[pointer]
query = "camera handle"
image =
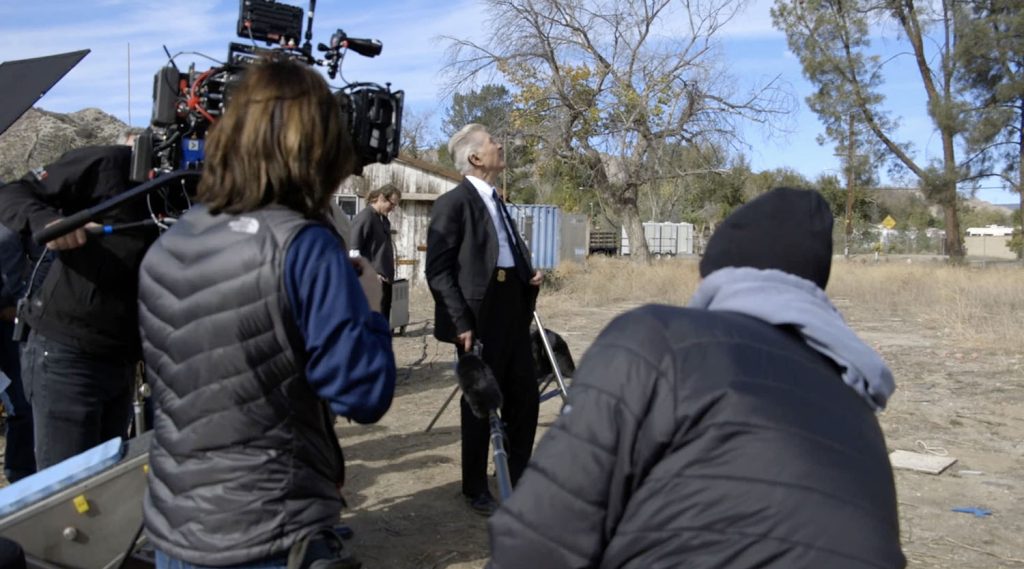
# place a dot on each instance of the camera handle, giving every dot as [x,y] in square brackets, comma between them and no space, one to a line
[340,41]
[78,219]
[307,46]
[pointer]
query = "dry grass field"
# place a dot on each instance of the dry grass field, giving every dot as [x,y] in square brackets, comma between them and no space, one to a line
[952,336]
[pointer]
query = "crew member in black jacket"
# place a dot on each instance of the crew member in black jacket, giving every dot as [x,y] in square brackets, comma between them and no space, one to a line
[371,236]
[737,433]
[79,361]
[16,271]
[484,288]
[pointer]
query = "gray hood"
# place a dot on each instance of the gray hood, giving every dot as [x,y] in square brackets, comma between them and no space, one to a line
[780,298]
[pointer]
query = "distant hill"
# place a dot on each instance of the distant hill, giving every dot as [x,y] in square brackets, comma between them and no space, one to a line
[893,195]
[983,205]
[40,137]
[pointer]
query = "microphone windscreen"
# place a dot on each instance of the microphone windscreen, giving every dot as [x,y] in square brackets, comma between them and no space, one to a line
[479,386]
[563,357]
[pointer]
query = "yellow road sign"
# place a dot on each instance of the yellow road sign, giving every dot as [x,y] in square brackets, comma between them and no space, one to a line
[889,222]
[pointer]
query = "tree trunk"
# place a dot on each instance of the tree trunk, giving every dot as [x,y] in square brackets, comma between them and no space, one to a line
[954,242]
[638,250]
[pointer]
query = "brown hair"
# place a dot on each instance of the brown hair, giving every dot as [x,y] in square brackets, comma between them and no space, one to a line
[282,140]
[387,190]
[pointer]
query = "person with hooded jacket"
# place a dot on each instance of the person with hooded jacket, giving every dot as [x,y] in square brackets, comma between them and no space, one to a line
[739,432]
[78,363]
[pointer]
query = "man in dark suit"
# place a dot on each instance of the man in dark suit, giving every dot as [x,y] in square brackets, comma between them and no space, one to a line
[484,288]
[371,236]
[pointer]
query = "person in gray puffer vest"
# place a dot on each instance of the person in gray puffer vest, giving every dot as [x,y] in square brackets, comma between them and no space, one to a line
[737,433]
[256,332]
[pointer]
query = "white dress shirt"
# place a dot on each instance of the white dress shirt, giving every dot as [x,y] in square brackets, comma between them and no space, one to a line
[486,191]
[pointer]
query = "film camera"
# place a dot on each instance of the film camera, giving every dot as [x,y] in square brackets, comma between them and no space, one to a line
[187,104]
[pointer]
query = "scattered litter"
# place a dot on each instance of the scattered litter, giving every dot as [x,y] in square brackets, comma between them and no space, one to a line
[927,463]
[969,472]
[978,512]
[932,449]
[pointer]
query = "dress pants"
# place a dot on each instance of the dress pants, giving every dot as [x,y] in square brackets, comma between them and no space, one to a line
[503,328]
[385,299]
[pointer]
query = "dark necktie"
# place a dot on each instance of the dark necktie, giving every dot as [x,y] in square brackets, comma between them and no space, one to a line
[513,241]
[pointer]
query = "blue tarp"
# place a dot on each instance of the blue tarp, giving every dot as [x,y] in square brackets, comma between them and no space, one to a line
[48,482]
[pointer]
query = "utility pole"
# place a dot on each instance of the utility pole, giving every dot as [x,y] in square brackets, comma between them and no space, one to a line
[129,83]
[504,157]
[849,189]
[504,171]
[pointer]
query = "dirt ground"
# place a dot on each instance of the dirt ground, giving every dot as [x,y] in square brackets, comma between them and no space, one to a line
[403,483]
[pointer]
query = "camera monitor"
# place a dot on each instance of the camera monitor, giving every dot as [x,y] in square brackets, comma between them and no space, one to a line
[263,20]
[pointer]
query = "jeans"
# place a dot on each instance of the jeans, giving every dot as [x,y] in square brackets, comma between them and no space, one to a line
[79,399]
[19,456]
[322,546]
[163,561]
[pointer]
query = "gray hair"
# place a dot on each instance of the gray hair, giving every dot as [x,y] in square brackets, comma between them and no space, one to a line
[128,134]
[464,143]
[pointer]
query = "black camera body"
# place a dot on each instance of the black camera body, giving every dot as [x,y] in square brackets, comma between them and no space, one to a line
[186,104]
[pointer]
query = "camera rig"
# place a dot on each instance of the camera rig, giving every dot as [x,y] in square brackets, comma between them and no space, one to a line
[186,104]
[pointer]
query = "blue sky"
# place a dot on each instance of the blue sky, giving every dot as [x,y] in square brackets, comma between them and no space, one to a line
[413,51]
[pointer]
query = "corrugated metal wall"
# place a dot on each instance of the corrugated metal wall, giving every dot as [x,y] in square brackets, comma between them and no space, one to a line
[575,238]
[552,236]
[540,226]
[992,246]
[664,238]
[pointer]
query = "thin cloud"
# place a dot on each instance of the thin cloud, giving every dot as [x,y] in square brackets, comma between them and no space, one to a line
[411,31]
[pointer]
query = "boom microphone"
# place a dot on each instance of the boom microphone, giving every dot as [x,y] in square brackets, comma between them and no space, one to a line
[478,383]
[480,388]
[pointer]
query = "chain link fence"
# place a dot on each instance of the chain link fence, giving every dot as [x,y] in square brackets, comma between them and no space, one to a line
[872,239]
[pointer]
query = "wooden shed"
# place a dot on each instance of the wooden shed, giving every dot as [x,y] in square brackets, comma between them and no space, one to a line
[421,183]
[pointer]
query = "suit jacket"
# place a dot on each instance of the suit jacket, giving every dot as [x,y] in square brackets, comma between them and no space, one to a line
[371,235]
[462,253]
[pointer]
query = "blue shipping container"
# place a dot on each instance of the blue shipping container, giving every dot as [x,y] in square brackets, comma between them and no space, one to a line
[540,226]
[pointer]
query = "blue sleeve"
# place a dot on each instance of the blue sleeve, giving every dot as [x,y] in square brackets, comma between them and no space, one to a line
[351,364]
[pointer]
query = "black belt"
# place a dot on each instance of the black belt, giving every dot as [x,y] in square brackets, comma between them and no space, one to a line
[501,274]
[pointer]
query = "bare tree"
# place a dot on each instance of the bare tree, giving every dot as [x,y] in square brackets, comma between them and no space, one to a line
[609,86]
[418,137]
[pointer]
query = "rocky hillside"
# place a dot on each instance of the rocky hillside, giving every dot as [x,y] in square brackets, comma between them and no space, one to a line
[40,136]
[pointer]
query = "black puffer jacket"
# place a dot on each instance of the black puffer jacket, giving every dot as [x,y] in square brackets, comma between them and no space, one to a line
[88,297]
[704,439]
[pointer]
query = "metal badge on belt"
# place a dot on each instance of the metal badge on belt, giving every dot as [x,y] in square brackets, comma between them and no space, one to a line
[501,275]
